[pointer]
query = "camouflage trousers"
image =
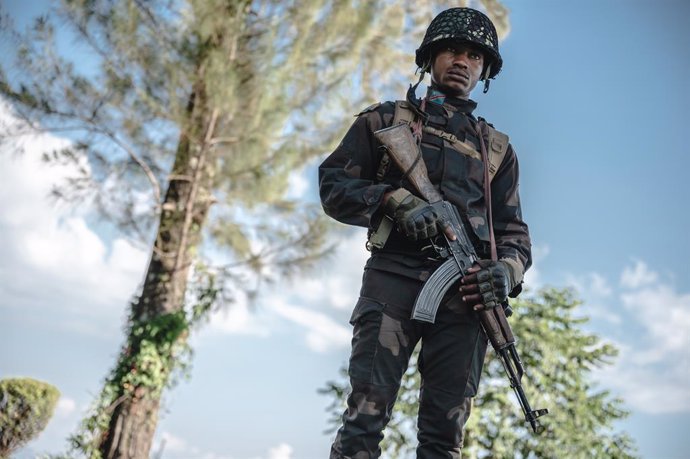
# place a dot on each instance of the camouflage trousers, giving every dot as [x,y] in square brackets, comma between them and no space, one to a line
[384,337]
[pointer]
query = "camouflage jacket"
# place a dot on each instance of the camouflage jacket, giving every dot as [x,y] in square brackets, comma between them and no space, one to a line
[351,193]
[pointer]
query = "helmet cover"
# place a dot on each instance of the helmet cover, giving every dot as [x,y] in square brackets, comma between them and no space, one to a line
[461,25]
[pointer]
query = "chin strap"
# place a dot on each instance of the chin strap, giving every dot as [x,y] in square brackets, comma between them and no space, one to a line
[419,110]
[487,81]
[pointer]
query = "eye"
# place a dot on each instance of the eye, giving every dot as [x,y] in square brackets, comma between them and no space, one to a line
[475,56]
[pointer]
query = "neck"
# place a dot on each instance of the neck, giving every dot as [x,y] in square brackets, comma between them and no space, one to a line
[435,95]
[433,92]
[448,92]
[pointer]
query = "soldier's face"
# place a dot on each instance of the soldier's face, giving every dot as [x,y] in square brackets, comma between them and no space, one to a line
[456,69]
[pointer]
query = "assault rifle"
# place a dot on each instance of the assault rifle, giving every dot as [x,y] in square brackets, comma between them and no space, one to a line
[460,256]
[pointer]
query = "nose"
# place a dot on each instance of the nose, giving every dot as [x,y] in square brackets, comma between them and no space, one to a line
[461,59]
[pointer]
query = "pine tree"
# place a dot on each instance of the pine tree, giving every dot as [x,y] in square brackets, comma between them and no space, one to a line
[558,355]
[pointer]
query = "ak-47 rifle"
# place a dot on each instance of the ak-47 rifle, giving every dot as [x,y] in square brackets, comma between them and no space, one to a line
[460,256]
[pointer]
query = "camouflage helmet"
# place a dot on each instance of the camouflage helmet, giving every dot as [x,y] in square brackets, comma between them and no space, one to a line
[461,24]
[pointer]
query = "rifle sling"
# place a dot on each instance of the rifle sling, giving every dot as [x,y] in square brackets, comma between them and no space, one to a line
[487,189]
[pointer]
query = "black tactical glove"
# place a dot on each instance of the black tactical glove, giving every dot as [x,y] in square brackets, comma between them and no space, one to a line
[486,284]
[414,217]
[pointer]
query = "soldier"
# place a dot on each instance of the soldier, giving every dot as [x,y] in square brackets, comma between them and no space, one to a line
[472,165]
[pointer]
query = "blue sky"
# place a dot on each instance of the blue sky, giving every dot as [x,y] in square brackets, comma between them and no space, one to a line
[595,96]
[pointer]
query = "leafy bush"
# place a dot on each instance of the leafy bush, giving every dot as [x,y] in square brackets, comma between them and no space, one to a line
[26,406]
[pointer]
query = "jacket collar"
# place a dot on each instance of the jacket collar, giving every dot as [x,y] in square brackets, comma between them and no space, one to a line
[436,97]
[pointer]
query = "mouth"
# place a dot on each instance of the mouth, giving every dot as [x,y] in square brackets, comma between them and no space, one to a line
[458,75]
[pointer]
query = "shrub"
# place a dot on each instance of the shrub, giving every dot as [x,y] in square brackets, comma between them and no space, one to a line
[26,406]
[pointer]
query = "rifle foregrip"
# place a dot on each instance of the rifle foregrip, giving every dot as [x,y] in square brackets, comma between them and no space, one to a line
[492,328]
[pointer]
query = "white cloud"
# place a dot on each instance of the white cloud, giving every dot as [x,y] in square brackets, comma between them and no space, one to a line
[665,315]
[533,275]
[596,292]
[651,321]
[176,447]
[274,311]
[53,261]
[240,318]
[590,285]
[65,407]
[601,311]
[337,284]
[599,285]
[282,451]
[172,443]
[323,333]
[638,276]
[658,389]
[653,369]
[312,302]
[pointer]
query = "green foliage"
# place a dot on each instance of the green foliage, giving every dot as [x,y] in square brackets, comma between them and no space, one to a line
[26,406]
[558,355]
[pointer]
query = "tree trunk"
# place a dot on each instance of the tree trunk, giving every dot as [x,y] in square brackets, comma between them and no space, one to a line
[132,423]
[132,427]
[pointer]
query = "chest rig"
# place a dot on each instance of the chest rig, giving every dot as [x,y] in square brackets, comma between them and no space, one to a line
[497,148]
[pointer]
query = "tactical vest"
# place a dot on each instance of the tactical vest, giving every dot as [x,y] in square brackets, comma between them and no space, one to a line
[497,147]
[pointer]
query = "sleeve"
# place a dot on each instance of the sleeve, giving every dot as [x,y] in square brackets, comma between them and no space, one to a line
[347,177]
[513,242]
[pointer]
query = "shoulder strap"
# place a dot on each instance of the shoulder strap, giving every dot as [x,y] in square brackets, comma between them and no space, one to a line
[463,147]
[498,147]
[403,113]
[498,141]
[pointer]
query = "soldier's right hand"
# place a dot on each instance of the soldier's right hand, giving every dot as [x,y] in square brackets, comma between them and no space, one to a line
[414,217]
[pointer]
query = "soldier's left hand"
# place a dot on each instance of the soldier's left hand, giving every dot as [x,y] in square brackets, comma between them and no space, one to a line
[486,284]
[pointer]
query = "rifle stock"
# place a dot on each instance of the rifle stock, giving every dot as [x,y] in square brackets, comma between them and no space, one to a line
[403,150]
[460,254]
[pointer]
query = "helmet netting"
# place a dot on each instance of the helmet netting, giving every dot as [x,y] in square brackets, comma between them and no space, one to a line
[461,24]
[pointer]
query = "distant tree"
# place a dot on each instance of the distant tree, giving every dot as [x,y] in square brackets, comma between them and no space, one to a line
[558,356]
[174,106]
[26,406]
